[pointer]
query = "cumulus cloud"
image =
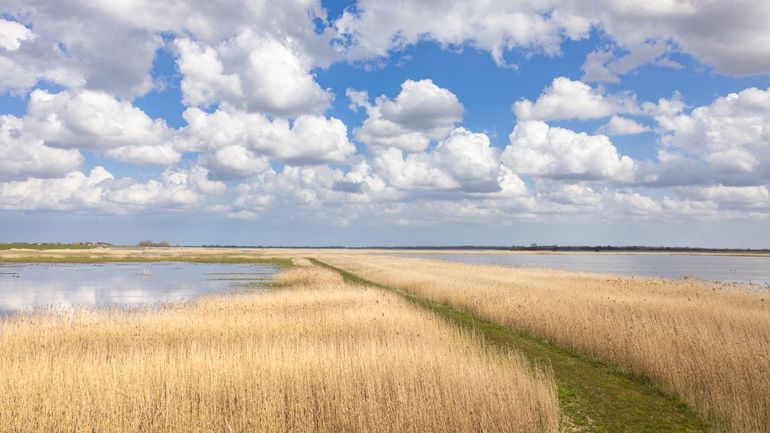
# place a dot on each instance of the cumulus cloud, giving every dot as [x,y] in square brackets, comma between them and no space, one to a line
[75,190]
[308,139]
[568,196]
[99,122]
[12,34]
[23,156]
[731,37]
[412,171]
[605,65]
[358,98]
[421,112]
[464,163]
[470,160]
[100,191]
[310,190]
[729,196]
[538,149]
[633,203]
[76,46]
[110,46]
[177,189]
[234,162]
[567,99]
[255,112]
[204,81]
[618,125]
[255,73]
[374,28]
[727,141]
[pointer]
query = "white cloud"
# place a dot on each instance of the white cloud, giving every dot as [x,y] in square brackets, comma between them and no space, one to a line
[12,34]
[235,161]
[538,149]
[604,65]
[255,73]
[321,192]
[204,82]
[569,195]
[110,46]
[97,121]
[567,99]
[375,28]
[729,196]
[470,160]
[358,99]
[279,81]
[76,46]
[411,171]
[618,125]
[727,141]
[306,140]
[633,203]
[74,191]
[100,191]
[255,196]
[464,162]
[733,37]
[23,156]
[420,113]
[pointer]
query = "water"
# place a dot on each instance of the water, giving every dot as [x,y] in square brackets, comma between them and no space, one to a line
[733,269]
[25,286]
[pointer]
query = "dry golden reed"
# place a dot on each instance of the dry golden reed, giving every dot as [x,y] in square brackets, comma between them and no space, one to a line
[314,355]
[708,344]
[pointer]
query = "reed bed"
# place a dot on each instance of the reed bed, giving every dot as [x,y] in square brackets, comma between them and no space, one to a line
[708,344]
[312,355]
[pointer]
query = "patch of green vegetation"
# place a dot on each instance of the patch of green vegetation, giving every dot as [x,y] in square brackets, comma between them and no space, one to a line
[100,258]
[593,396]
[46,246]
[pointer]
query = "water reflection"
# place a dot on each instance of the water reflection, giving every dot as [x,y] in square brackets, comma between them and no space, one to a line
[26,287]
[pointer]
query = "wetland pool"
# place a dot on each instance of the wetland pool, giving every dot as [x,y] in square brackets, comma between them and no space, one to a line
[31,286]
[753,270]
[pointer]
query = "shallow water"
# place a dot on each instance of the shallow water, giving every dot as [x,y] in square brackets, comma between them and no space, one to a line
[27,286]
[734,269]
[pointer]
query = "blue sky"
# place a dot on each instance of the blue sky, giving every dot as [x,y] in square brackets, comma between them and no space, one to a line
[359,123]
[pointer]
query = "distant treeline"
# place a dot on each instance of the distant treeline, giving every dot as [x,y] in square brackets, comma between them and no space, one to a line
[637,248]
[533,247]
[339,247]
[53,246]
[153,244]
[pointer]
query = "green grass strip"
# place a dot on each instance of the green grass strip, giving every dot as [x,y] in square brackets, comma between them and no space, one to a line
[594,397]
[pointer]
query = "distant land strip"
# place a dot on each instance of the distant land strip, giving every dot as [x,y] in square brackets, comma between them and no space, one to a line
[567,248]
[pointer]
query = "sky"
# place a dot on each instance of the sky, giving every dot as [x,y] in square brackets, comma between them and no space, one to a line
[362,123]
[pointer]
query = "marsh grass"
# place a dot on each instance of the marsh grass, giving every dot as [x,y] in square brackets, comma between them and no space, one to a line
[314,354]
[704,343]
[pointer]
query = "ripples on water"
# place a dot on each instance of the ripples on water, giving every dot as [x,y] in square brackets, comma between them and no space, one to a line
[26,286]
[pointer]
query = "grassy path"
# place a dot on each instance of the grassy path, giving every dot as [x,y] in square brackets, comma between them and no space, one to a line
[594,397]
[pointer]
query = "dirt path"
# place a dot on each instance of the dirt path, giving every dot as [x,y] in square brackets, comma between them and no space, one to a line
[594,397]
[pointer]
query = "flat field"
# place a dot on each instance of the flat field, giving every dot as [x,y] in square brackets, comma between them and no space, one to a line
[399,344]
[706,344]
[314,354]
